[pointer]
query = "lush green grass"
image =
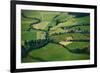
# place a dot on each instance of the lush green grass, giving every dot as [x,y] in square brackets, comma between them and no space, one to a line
[83,28]
[51,51]
[41,25]
[40,35]
[54,52]
[74,21]
[47,16]
[69,22]
[79,45]
[31,35]
[75,36]
[57,30]
[32,13]
[25,25]
[29,59]
[83,20]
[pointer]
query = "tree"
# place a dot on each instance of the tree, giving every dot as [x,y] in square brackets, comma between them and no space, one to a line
[55,23]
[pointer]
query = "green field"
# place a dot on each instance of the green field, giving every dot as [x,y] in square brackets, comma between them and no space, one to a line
[54,36]
[54,52]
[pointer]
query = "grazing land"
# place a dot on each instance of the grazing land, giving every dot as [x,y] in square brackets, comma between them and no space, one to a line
[54,36]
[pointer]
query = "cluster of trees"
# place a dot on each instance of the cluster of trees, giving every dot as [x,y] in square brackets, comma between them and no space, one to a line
[71,31]
[77,30]
[85,50]
[68,27]
[34,44]
[30,45]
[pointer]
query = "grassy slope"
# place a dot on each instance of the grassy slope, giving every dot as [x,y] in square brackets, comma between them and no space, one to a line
[76,36]
[32,13]
[81,45]
[74,21]
[31,35]
[86,28]
[41,25]
[54,52]
[40,35]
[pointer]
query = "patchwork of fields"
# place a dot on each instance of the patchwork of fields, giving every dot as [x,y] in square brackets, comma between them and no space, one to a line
[54,36]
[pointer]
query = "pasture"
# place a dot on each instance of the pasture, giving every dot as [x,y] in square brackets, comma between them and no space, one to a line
[54,36]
